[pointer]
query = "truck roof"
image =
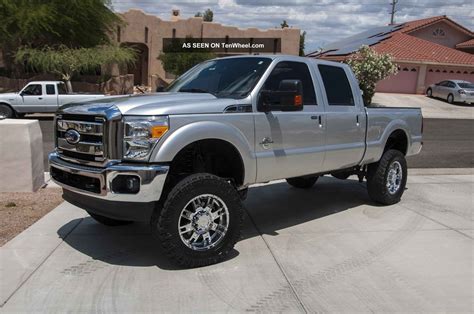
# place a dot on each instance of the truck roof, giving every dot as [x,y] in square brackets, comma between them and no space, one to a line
[285,57]
[46,82]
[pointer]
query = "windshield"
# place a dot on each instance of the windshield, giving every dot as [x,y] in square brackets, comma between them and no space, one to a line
[466,85]
[224,78]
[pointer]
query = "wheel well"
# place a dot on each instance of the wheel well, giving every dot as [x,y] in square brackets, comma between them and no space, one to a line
[397,140]
[213,156]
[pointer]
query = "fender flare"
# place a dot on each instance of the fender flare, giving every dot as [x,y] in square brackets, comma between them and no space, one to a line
[206,130]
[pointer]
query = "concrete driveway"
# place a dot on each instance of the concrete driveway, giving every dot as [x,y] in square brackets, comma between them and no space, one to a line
[431,107]
[326,249]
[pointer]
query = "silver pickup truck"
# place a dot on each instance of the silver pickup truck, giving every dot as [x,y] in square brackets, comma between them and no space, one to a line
[38,97]
[183,159]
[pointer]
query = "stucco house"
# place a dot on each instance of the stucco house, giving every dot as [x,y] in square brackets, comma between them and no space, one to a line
[426,51]
[146,32]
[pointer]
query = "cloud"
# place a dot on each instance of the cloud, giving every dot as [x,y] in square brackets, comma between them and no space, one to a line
[324,20]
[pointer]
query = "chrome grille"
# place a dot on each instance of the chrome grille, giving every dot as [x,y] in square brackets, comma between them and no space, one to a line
[92,143]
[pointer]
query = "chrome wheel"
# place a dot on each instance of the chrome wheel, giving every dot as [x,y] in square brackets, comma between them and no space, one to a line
[203,222]
[394,177]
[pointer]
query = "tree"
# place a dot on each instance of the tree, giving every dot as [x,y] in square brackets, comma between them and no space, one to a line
[39,23]
[66,61]
[302,44]
[284,24]
[207,16]
[370,67]
[179,62]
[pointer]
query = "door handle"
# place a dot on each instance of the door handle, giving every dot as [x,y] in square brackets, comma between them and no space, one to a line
[266,141]
[40,98]
[319,120]
[357,120]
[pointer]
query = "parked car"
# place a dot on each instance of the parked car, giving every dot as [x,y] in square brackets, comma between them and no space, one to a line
[183,159]
[452,91]
[38,97]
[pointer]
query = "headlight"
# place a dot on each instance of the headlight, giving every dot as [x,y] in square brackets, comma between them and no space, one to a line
[141,134]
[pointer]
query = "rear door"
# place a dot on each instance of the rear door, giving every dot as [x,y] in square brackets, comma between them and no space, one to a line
[345,118]
[50,98]
[289,144]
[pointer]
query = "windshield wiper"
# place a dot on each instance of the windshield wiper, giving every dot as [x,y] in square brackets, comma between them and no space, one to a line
[195,90]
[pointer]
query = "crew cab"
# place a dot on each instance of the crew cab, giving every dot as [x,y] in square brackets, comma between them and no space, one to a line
[39,97]
[183,159]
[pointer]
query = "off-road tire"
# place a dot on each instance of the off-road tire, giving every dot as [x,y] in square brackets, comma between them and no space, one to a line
[164,223]
[429,92]
[377,174]
[302,182]
[6,111]
[450,99]
[109,221]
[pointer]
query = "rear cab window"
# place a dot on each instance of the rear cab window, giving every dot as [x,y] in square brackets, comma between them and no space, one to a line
[50,89]
[337,86]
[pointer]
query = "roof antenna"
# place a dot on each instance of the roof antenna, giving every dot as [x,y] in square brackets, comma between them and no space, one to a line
[392,13]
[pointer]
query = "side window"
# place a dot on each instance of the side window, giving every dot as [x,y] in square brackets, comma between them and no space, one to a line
[32,90]
[444,83]
[50,89]
[337,86]
[292,71]
[451,84]
[61,89]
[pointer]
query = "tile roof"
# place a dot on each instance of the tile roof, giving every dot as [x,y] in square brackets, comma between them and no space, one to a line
[467,44]
[404,47]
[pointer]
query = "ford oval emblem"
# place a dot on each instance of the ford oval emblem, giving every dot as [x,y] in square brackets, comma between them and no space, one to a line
[72,136]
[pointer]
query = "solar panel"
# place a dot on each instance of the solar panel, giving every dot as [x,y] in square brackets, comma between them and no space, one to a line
[353,43]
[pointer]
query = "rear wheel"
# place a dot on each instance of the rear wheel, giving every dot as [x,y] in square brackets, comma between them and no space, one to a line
[429,92]
[109,221]
[302,182]
[450,99]
[387,178]
[200,221]
[6,112]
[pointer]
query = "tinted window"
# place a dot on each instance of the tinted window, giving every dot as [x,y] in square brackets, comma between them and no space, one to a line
[466,85]
[444,83]
[50,89]
[292,71]
[451,84]
[224,78]
[336,84]
[32,90]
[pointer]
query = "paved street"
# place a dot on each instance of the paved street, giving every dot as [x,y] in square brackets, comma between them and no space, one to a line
[448,143]
[328,249]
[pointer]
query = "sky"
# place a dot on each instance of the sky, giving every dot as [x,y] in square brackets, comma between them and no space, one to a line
[324,21]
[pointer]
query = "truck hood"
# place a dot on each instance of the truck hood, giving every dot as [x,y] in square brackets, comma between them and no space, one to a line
[8,96]
[154,104]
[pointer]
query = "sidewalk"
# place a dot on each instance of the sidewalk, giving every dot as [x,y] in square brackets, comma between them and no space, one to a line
[325,249]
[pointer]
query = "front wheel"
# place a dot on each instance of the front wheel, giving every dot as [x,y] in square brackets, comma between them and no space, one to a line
[302,182]
[387,178]
[200,221]
[6,112]
[450,99]
[429,92]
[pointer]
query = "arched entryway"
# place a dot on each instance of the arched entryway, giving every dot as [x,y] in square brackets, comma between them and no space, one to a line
[140,68]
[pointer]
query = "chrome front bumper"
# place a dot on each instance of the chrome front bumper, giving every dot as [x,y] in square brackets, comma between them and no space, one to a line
[152,179]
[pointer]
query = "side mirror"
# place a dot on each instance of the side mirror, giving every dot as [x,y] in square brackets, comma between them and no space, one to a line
[288,97]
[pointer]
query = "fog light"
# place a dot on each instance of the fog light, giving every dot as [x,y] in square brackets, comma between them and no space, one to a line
[126,184]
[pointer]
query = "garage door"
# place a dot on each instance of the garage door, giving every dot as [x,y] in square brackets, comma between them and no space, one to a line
[436,75]
[402,82]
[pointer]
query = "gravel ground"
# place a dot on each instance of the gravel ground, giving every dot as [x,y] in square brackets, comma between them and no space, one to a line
[18,211]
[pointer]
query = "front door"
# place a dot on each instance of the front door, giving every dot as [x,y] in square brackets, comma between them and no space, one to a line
[31,98]
[290,144]
[345,120]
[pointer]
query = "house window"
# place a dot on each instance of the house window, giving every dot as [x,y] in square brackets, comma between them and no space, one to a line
[174,33]
[439,32]
[146,34]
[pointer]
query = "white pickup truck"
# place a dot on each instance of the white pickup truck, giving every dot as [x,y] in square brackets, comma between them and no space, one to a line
[39,97]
